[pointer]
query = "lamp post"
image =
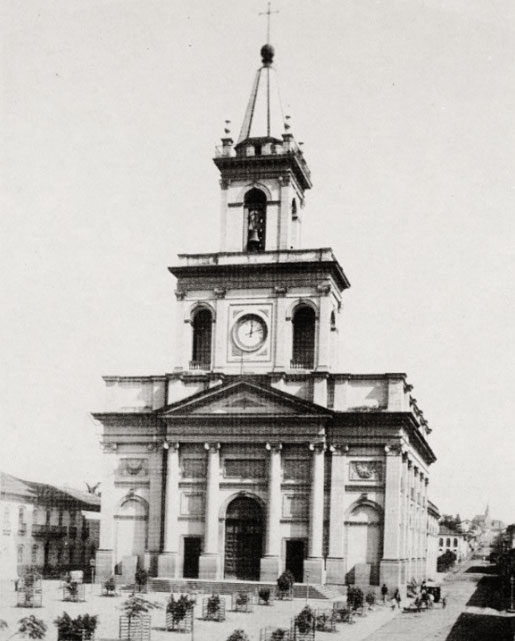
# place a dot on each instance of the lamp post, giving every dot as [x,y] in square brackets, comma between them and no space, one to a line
[512,605]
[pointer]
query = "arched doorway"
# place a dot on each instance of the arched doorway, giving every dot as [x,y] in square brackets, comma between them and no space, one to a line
[243,539]
[364,543]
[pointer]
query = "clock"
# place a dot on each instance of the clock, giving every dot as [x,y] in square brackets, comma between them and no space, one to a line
[249,332]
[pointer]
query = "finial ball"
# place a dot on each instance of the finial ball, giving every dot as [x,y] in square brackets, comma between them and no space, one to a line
[267,54]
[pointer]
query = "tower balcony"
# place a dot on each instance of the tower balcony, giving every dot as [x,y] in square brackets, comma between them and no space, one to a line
[49,531]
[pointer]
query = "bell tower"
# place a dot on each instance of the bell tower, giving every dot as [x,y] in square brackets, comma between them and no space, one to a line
[261,304]
[264,176]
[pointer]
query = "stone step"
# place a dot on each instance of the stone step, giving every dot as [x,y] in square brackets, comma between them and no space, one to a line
[300,590]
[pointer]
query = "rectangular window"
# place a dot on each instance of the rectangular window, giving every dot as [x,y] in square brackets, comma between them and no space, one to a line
[245,468]
[20,553]
[295,507]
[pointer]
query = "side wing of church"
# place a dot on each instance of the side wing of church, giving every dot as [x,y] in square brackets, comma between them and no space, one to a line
[256,454]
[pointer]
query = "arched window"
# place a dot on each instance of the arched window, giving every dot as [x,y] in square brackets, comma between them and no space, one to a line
[455,543]
[448,543]
[34,558]
[202,327]
[441,543]
[303,353]
[255,212]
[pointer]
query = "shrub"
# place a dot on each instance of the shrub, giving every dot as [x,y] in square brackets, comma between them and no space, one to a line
[304,621]
[264,594]
[213,604]
[285,581]
[110,584]
[141,578]
[242,598]
[355,598]
[179,608]
[31,627]
[370,598]
[446,561]
[238,635]
[82,626]
[279,634]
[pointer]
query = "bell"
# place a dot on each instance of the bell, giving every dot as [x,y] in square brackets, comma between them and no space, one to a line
[253,238]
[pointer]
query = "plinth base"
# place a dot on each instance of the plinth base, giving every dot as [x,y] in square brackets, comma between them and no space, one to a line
[209,565]
[270,568]
[314,570]
[103,565]
[167,564]
[335,571]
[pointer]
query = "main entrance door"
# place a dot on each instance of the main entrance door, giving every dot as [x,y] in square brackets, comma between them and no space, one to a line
[243,539]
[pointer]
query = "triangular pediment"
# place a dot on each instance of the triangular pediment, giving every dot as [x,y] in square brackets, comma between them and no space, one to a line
[243,397]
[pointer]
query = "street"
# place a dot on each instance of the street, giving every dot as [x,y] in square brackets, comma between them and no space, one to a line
[470,614]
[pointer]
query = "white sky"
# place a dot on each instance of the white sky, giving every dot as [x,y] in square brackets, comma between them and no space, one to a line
[110,112]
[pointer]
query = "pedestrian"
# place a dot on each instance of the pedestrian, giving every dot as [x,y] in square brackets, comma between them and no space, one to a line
[444,602]
[397,598]
[384,592]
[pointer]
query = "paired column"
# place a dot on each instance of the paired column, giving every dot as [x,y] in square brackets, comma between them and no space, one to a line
[314,564]
[271,562]
[335,564]
[167,562]
[209,562]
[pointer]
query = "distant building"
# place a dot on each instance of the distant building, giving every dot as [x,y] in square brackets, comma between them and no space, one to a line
[433,530]
[54,529]
[453,541]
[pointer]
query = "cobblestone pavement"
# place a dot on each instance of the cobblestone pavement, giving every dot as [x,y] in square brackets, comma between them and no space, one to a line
[457,622]
[107,609]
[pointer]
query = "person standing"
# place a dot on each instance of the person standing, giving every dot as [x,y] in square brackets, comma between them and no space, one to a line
[397,598]
[384,592]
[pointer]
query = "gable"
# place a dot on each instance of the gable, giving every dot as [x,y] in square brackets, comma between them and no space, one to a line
[244,398]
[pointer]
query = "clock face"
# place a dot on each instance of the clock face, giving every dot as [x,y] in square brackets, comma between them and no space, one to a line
[249,332]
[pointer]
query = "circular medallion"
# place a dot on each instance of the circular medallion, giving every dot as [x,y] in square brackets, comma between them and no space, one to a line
[249,332]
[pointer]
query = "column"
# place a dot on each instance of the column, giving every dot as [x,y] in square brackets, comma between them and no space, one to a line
[391,564]
[104,562]
[335,564]
[314,564]
[271,562]
[167,564]
[209,562]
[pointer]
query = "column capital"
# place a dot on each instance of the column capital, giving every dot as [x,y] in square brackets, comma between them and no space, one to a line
[274,447]
[212,446]
[170,446]
[338,449]
[317,446]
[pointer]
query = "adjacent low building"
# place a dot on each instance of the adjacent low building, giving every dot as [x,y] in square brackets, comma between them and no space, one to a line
[53,529]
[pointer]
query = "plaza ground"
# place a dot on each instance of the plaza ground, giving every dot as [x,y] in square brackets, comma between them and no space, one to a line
[475,612]
[107,608]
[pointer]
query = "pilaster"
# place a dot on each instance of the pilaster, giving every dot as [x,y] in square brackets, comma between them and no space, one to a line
[168,558]
[314,564]
[391,564]
[209,562]
[335,563]
[104,556]
[271,562]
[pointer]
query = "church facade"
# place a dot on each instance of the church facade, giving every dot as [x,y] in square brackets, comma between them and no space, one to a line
[256,453]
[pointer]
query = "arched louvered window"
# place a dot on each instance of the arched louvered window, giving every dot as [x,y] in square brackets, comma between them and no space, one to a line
[255,214]
[303,353]
[202,330]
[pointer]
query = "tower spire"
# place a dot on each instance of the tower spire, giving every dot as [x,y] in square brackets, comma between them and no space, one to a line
[268,13]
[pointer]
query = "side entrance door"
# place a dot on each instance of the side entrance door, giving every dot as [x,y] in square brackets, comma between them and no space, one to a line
[295,554]
[191,557]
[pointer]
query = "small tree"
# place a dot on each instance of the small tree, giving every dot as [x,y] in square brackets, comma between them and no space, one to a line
[134,607]
[370,598]
[82,627]
[285,584]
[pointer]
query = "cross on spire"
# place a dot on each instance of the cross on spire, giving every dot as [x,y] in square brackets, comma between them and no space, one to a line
[268,13]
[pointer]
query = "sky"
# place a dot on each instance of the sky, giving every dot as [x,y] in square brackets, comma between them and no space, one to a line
[110,114]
